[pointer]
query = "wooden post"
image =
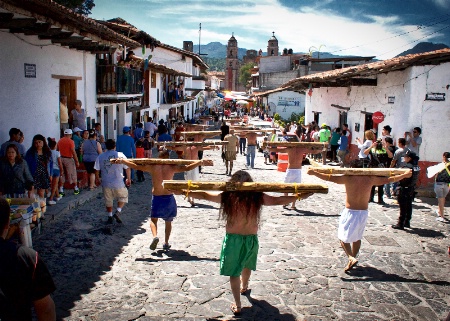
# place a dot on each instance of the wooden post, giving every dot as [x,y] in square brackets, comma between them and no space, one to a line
[163,161]
[247,186]
[182,143]
[329,170]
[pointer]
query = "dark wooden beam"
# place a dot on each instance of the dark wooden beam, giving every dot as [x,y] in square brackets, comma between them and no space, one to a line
[58,35]
[6,16]
[18,23]
[31,31]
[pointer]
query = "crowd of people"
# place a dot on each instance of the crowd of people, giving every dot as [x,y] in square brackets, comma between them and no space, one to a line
[47,164]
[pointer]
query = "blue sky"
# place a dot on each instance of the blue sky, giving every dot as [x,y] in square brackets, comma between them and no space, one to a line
[382,28]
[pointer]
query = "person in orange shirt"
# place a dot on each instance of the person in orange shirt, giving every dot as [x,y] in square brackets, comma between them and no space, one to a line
[140,153]
[69,158]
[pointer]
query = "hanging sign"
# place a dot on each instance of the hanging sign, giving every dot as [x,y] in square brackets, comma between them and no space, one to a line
[377,117]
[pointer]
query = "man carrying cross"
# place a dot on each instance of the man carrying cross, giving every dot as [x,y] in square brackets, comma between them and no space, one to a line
[354,216]
[164,205]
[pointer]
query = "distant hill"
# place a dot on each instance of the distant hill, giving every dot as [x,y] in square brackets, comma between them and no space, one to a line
[217,50]
[423,47]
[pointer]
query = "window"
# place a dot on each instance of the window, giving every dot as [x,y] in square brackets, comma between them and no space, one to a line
[342,118]
[153,81]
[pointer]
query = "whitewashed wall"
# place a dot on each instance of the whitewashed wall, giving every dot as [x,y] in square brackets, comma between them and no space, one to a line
[32,104]
[410,109]
[286,102]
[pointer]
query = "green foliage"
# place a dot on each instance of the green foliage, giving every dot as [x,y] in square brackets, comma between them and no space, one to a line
[245,74]
[215,64]
[276,116]
[83,7]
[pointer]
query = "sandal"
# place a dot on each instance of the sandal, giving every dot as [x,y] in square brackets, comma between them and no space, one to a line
[235,309]
[243,291]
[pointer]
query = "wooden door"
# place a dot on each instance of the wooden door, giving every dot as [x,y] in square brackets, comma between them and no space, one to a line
[69,88]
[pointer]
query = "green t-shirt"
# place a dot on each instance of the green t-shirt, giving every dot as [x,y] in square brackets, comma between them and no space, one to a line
[324,134]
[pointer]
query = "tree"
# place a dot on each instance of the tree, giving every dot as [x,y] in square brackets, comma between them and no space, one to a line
[83,7]
[245,74]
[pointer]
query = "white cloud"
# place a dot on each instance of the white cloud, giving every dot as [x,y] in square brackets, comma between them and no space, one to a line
[253,22]
[442,3]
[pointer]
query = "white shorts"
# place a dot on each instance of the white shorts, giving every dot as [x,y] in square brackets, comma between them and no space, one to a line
[352,224]
[192,175]
[293,175]
[121,194]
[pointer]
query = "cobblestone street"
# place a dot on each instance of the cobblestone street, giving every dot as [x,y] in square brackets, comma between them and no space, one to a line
[109,273]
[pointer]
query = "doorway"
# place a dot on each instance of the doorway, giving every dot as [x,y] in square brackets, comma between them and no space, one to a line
[68,87]
[368,122]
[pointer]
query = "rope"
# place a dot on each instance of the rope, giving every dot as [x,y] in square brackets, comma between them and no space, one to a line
[188,189]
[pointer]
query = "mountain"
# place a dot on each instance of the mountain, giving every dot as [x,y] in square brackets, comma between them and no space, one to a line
[423,47]
[217,50]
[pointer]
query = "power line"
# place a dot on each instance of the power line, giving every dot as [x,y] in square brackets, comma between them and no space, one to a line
[419,27]
[415,40]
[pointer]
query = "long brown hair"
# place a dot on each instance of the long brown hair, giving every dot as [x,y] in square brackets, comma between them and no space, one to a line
[246,202]
[18,158]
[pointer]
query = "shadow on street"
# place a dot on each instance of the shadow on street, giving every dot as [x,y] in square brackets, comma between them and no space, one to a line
[372,274]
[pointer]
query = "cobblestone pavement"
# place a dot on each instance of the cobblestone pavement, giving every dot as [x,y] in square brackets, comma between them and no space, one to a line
[105,273]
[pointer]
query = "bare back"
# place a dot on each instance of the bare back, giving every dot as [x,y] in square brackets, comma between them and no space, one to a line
[358,189]
[159,174]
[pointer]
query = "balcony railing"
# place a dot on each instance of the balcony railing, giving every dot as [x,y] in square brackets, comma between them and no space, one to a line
[112,79]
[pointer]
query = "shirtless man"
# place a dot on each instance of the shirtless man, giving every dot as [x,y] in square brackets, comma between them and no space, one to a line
[354,217]
[164,205]
[251,145]
[192,153]
[230,149]
[295,159]
[240,245]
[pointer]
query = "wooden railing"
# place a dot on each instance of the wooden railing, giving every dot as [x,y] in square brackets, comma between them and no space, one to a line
[112,79]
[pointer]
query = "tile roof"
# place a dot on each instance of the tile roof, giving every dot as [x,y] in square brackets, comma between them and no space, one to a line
[50,20]
[367,70]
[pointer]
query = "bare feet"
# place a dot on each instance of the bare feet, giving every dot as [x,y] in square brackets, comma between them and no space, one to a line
[244,290]
[235,309]
[351,263]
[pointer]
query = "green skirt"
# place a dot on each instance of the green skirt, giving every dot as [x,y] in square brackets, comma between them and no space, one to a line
[238,252]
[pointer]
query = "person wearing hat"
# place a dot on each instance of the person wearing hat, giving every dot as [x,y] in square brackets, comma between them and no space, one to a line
[407,191]
[69,159]
[125,144]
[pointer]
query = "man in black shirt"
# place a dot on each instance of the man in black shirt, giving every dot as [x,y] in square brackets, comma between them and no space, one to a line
[407,191]
[24,279]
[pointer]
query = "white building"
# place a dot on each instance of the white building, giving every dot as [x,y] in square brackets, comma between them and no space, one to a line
[48,50]
[410,91]
[161,67]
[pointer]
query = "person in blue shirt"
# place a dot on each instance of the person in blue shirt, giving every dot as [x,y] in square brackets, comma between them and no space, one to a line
[164,136]
[139,132]
[342,149]
[125,144]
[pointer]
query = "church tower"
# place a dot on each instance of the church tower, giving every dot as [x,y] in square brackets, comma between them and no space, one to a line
[272,46]
[232,65]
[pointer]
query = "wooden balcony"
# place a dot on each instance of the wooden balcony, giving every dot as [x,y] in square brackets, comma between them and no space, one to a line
[112,79]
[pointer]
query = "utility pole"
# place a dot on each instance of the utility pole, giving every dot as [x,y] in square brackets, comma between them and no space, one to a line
[199,37]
